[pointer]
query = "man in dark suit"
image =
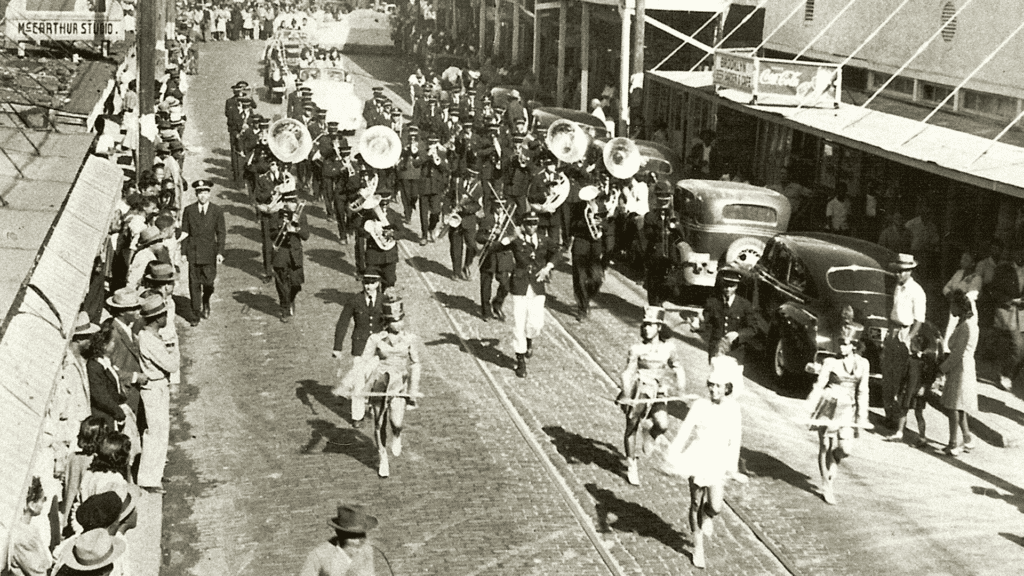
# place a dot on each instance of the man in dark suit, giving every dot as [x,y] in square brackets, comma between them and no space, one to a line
[203,223]
[535,259]
[365,311]
[291,226]
[126,360]
[729,317]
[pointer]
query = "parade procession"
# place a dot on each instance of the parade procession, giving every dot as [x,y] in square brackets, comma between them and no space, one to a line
[464,288]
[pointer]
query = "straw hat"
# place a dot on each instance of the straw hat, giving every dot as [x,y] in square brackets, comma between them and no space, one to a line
[93,550]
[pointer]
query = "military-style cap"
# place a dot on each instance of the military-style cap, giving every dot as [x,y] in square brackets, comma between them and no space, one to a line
[202,185]
[348,133]
[264,122]
[371,278]
[332,126]
[321,113]
[396,113]
[727,275]
[531,217]
[433,139]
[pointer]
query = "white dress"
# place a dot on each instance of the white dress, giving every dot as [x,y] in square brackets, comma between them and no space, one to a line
[707,445]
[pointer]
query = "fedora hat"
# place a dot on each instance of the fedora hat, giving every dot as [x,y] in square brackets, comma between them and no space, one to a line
[903,262]
[352,519]
[93,550]
[149,236]
[84,326]
[653,315]
[124,298]
[153,306]
[161,272]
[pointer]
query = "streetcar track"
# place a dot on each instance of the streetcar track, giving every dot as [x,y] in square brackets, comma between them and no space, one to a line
[581,516]
[609,383]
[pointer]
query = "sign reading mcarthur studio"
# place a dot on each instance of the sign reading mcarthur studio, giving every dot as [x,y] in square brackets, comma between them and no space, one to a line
[47,20]
[778,82]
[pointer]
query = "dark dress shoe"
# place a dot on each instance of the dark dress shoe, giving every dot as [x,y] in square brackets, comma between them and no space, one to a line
[529,348]
[521,365]
[194,322]
[206,311]
[498,313]
[423,241]
[485,315]
[266,278]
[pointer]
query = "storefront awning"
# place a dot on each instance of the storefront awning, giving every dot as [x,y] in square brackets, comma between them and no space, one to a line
[939,150]
[665,5]
[37,326]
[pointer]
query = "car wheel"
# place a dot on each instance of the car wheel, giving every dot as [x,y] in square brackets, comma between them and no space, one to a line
[744,253]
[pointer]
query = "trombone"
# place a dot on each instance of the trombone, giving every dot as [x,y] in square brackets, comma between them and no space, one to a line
[290,222]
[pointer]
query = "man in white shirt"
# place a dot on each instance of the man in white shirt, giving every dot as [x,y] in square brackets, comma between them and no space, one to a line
[900,367]
[837,212]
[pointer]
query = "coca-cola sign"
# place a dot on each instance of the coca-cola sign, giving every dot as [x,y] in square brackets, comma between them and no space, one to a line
[778,82]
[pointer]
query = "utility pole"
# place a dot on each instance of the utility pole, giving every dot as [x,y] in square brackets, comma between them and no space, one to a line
[145,52]
[639,32]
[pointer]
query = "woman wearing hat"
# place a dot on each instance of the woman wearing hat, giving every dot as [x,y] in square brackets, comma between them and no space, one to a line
[706,451]
[349,552]
[839,402]
[394,382]
[652,370]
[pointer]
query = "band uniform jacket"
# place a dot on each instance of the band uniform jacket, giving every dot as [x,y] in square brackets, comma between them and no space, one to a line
[499,257]
[265,185]
[435,176]
[364,319]
[529,259]
[720,319]
[579,229]
[538,193]
[289,255]
[206,233]
[233,113]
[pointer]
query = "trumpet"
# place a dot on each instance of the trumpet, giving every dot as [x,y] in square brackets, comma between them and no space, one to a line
[288,225]
[497,153]
[435,153]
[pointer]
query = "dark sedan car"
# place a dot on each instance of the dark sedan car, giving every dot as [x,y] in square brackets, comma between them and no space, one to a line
[802,284]
[543,117]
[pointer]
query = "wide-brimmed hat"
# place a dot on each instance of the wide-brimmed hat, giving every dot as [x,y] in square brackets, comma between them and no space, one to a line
[850,332]
[903,262]
[161,272]
[84,326]
[129,501]
[153,306]
[394,310]
[99,511]
[93,550]
[352,519]
[653,315]
[124,298]
[588,193]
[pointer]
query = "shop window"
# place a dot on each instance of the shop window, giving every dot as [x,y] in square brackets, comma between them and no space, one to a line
[948,21]
[901,84]
[989,104]
[809,11]
[934,92]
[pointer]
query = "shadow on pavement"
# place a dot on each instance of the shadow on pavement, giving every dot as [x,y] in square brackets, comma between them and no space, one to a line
[428,266]
[246,214]
[333,296]
[761,465]
[248,232]
[309,390]
[991,405]
[578,449]
[458,302]
[1018,540]
[257,301]
[333,259]
[183,306]
[347,441]
[485,349]
[248,261]
[238,196]
[1011,499]
[613,513]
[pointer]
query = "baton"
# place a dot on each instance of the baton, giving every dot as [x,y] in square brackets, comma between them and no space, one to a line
[386,395]
[631,402]
[812,422]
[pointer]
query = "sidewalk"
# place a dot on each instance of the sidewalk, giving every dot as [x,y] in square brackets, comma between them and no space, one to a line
[1000,417]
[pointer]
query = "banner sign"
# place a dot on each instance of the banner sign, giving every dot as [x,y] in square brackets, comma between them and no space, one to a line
[76,23]
[778,82]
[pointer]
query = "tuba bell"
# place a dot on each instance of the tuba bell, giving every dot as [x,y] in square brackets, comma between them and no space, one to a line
[567,141]
[289,140]
[380,147]
[622,158]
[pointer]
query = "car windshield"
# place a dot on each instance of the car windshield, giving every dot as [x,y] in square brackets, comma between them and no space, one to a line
[859,279]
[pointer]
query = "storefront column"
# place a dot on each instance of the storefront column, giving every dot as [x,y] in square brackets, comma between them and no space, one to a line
[496,46]
[482,28]
[563,23]
[623,124]
[536,42]
[584,55]
[515,31]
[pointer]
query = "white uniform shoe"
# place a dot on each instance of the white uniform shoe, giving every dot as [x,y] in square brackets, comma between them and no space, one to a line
[396,446]
[632,473]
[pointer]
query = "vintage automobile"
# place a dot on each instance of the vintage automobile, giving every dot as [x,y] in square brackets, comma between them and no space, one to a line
[801,286]
[543,117]
[722,224]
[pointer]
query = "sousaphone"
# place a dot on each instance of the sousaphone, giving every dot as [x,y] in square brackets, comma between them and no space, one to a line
[622,158]
[380,147]
[567,141]
[289,140]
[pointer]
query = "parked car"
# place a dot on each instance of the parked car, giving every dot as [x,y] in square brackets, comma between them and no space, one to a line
[543,117]
[801,286]
[723,224]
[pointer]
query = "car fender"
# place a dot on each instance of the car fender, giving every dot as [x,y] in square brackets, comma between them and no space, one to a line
[797,329]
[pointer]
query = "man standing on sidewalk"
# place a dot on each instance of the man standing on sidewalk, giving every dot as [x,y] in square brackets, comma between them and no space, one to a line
[900,369]
[205,232]
[1007,289]
[158,364]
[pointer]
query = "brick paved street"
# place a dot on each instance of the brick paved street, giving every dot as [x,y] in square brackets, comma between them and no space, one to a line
[262,452]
